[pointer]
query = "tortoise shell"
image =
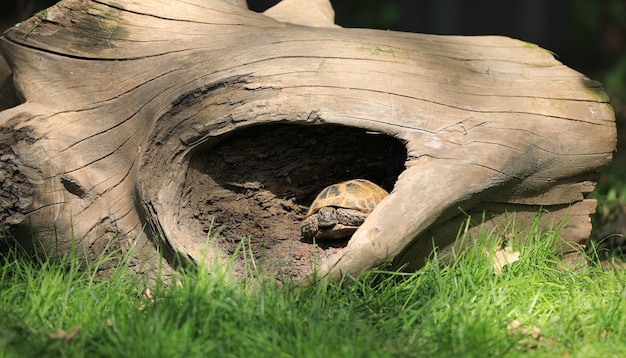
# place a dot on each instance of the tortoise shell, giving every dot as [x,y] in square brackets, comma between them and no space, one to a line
[357,194]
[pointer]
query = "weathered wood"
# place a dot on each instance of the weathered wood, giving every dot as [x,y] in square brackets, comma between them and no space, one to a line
[125,103]
[317,13]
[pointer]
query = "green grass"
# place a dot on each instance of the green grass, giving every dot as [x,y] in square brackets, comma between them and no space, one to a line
[459,309]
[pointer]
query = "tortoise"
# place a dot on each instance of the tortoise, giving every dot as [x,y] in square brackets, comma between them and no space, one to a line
[339,209]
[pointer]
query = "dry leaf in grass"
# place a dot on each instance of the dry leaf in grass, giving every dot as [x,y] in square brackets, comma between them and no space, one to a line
[148,295]
[503,257]
[531,336]
[64,336]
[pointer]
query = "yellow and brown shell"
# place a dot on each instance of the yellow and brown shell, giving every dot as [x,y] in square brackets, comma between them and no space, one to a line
[358,194]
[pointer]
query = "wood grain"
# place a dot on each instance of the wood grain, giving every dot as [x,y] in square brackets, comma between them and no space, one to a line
[118,98]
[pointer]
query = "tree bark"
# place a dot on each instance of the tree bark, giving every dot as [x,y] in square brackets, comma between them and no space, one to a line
[150,124]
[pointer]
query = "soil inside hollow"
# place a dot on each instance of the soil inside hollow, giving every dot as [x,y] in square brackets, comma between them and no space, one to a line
[256,185]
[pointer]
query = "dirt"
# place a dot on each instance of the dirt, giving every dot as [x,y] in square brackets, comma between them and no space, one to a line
[255,187]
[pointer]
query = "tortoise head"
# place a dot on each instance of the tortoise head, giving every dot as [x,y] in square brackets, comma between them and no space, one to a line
[327,217]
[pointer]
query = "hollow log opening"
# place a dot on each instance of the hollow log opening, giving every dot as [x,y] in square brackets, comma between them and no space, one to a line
[256,185]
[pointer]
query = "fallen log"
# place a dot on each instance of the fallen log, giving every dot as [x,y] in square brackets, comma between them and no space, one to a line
[154,124]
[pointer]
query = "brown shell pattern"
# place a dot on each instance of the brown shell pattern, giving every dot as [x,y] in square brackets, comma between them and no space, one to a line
[359,194]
